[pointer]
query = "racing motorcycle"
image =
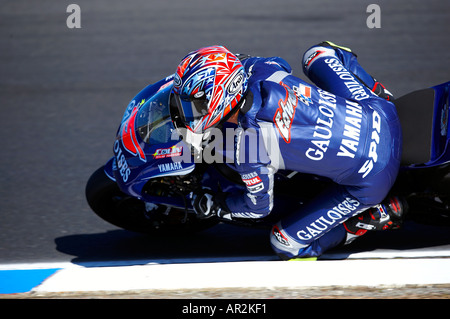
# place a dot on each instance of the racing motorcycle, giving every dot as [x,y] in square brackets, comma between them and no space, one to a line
[145,186]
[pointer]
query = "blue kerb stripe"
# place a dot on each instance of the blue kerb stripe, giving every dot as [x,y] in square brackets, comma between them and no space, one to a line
[17,281]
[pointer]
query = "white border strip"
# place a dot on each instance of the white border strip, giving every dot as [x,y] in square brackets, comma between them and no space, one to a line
[427,252]
[252,274]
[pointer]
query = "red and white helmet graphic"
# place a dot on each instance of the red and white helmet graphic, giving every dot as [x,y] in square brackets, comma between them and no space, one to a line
[209,84]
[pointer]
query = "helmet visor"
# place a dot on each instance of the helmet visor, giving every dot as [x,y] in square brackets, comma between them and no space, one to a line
[191,110]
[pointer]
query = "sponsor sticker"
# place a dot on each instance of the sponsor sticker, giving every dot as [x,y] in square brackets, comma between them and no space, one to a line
[253,182]
[168,152]
[284,115]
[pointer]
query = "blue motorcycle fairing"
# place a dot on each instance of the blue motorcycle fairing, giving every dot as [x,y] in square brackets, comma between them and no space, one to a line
[424,115]
[440,145]
[108,168]
[147,145]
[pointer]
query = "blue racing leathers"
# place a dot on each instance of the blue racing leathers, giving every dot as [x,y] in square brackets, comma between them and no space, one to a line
[338,129]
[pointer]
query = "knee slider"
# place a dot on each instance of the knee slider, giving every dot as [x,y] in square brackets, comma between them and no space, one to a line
[284,245]
[325,49]
[315,52]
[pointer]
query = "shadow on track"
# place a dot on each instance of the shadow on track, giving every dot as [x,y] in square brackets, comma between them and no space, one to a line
[223,242]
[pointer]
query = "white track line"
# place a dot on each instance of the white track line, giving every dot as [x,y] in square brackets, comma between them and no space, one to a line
[373,268]
[252,274]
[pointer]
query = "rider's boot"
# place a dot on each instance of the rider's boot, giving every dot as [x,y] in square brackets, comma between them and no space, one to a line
[387,215]
[349,60]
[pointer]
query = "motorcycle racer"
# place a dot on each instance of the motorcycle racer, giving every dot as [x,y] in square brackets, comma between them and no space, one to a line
[343,128]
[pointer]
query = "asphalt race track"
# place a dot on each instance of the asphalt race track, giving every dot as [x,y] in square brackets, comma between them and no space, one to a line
[63,92]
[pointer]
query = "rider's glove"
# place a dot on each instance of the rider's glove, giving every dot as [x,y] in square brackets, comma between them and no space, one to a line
[206,204]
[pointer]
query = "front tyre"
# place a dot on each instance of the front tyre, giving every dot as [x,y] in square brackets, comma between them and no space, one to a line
[112,205]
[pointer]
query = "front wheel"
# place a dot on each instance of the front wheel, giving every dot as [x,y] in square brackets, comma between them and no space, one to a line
[112,205]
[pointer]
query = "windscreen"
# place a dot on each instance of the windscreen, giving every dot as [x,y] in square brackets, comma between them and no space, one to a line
[153,120]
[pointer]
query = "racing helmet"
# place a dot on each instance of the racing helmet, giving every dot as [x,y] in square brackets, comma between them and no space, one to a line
[209,86]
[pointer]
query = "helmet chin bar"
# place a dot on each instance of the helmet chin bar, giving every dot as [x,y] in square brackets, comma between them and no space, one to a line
[196,140]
